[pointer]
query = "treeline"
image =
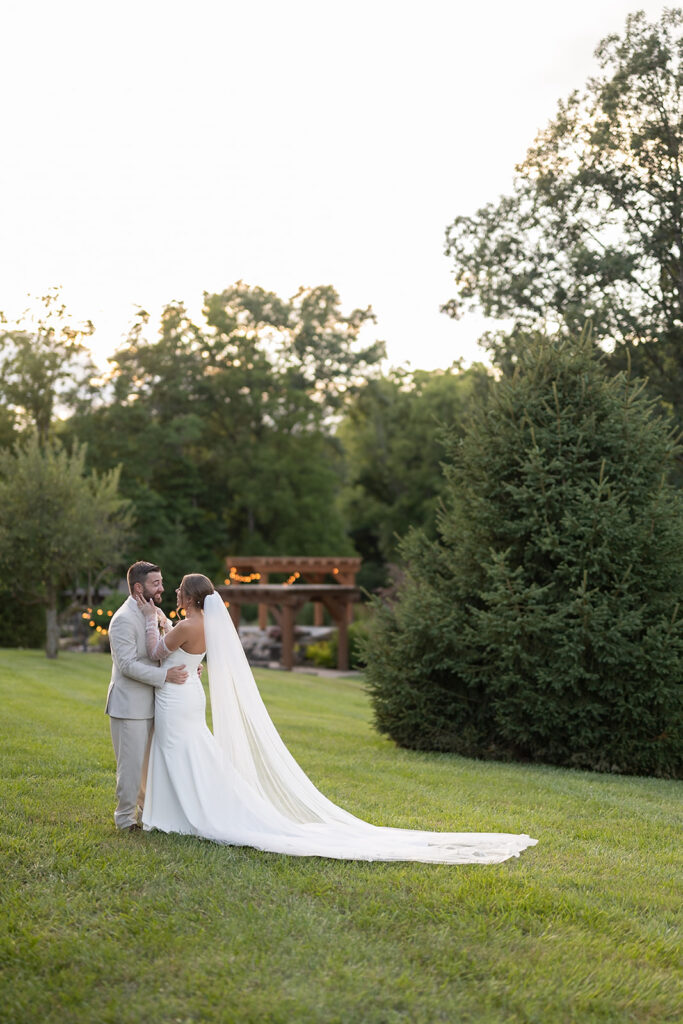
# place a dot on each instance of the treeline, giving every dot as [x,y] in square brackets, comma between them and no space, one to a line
[266,428]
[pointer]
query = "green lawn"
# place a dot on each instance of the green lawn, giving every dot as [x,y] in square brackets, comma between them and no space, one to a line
[98,926]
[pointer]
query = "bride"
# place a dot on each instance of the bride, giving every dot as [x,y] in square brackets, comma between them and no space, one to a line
[240,785]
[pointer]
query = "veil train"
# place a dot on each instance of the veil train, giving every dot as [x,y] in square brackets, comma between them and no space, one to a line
[291,815]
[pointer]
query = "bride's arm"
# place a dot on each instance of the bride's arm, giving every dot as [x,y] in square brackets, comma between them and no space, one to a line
[159,647]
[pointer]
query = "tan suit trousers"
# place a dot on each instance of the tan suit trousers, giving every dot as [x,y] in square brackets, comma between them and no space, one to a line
[132,738]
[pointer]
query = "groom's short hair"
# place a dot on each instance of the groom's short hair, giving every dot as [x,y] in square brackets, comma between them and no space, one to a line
[138,573]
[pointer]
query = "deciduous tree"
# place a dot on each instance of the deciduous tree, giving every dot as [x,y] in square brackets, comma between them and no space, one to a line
[391,436]
[44,364]
[57,522]
[224,428]
[594,225]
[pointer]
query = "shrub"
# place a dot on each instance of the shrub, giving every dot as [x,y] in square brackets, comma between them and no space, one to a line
[324,654]
[321,654]
[545,621]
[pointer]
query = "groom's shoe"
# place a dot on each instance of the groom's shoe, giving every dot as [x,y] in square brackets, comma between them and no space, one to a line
[135,827]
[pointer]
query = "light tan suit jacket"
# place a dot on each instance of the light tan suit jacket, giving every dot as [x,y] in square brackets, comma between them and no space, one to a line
[134,676]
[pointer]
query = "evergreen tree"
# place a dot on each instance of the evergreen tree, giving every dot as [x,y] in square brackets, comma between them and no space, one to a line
[544,622]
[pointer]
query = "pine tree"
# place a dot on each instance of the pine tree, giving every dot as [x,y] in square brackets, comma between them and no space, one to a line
[545,622]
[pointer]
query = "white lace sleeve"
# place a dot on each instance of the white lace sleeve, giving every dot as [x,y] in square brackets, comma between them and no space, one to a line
[156,645]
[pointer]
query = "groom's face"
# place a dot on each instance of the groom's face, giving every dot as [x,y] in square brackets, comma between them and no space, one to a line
[153,587]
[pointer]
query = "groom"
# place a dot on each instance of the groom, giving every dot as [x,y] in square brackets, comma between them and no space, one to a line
[130,699]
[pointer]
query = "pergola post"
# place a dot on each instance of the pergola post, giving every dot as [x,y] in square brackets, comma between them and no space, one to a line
[318,608]
[338,607]
[288,617]
[347,579]
[263,608]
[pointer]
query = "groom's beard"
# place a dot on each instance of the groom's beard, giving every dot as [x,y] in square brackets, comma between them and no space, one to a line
[151,597]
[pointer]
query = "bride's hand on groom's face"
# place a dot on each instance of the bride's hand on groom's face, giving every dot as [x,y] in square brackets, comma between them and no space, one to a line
[147,607]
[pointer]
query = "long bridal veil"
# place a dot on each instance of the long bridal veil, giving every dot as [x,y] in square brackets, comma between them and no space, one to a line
[288,813]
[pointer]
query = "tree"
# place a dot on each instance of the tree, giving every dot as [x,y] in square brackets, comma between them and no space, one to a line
[594,225]
[313,349]
[223,429]
[43,365]
[390,434]
[151,423]
[56,523]
[545,621]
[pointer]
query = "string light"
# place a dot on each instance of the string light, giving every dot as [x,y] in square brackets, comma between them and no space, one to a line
[292,578]
[236,578]
[92,616]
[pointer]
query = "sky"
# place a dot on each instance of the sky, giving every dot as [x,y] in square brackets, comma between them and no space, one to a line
[151,151]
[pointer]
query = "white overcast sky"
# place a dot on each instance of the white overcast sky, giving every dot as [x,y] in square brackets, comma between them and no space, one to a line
[150,151]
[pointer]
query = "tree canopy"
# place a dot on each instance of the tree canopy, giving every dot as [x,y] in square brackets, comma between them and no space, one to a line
[594,225]
[44,364]
[224,429]
[391,439]
[57,522]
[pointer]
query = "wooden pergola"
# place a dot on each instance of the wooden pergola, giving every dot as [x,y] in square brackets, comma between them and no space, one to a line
[248,583]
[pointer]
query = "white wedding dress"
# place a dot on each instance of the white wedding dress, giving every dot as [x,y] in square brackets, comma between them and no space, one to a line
[241,786]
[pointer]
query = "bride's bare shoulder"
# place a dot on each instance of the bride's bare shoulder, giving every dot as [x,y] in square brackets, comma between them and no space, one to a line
[189,634]
[189,623]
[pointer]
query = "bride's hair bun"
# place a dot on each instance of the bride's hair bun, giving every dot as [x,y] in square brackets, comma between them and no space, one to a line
[194,589]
